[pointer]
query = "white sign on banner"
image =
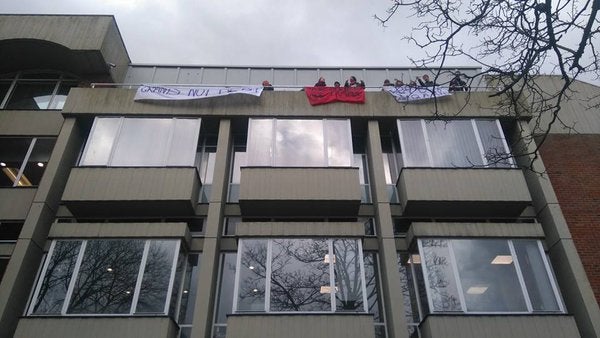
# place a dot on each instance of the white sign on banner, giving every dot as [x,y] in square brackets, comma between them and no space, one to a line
[407,94]
[157,92]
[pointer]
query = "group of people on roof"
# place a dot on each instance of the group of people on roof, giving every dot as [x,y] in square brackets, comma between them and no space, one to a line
[456,84]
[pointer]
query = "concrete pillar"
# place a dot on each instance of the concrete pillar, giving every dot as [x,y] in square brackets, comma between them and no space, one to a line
[390,277]
[21,271]
[575,286]
[209,267]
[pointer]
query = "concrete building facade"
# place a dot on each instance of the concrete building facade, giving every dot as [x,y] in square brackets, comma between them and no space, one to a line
[265,216]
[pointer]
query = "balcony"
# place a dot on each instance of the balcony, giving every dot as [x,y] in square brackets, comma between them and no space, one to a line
[266,191]
[15,202]
[492,326]
[468,192]
[132,191]
[75,327]
[300,326]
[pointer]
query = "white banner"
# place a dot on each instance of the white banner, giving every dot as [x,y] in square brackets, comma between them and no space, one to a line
[407,94]
[156,92]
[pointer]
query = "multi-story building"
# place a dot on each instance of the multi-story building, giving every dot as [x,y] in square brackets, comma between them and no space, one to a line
[265,216]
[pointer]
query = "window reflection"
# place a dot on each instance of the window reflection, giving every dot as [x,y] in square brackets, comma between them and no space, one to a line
[157,274]
[35,91]
[349,296]
[252,276]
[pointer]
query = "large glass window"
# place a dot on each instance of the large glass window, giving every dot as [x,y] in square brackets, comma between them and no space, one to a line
[188,295]
[23,160]
[486,276]
[35,91]
[299,143]
[225,294]
[108,276]
[141,142]
[453,143]
[300,275]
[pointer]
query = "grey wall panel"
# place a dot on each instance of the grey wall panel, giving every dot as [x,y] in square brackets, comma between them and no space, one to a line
[237,76]
[510,230]
[96,327]
[166,75]
[213,76]
[6,249]
[15,202]
[277,229]
[299,191]
[308,77]
[300,326]
[463,192]
[140,75]
[30,123]
[118,101]
[190,75]
[108,230]
[133,191]
[530,326]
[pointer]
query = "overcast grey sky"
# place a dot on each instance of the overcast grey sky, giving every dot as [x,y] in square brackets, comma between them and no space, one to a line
[241,32]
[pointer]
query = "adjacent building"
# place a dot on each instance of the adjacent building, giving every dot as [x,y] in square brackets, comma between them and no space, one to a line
[265,216]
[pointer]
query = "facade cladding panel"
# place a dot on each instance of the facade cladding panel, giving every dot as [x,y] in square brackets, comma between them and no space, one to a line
[244,216]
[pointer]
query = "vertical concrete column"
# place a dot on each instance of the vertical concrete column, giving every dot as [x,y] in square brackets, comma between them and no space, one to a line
[571,276]
[390,283]
[207,277]
[20,273]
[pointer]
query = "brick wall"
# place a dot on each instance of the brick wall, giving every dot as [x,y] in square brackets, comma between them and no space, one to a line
[573,164]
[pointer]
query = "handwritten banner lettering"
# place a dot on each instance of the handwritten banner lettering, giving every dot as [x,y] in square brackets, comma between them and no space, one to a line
[407,94]
[155,92]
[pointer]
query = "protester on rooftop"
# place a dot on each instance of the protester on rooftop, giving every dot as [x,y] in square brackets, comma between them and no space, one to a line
[351,82]
[267,85]
[426,82]
[457,84]
[337,84]
[412,83]
[398,83]
[387,83]
[321,82]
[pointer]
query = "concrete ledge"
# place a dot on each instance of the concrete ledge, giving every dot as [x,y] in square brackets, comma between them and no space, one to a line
[96,327]
[15,202]
[126,230]
[277,229]
[133,191]
[267,191]
[300,326]
[506,230]
[501,326]
[463,192]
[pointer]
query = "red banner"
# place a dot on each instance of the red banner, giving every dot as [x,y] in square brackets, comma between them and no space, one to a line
[323,95]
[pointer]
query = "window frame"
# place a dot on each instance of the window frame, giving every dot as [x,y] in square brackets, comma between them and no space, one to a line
[269,263]
[428,146]
[75,274]
[454,268]
[25,160]
[60,79]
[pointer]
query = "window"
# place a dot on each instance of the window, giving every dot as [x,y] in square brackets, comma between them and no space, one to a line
[205,161]
[108,276]
[453,143]
[185,316]
[225,294]
[23,160]
[300,275]
[486,276]
[299,143]
[35,91]
[141,142]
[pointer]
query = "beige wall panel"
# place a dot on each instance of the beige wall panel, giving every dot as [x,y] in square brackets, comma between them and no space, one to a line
[294,326]
[530,326]
[427,191]
[510,230]
[299,191]
[133,191]
[15,202]
[277,229]
[114,52]
[30,123]
[117,101]
[96,327]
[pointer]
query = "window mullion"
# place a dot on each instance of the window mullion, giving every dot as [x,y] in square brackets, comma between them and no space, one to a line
[138,283]
[181,284]
[237,274]
[457,277]
[268,275]
[520,276]
[427,144]
[425,276]
[41,277]
[165,156]
[172,278]
[551,277]
[362,277]
[504,143]
[331,274]
[55,91]
[116,140]
[24,163]
[9,92]
[415,285]
[479,143]
[402,143]
[69,293]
